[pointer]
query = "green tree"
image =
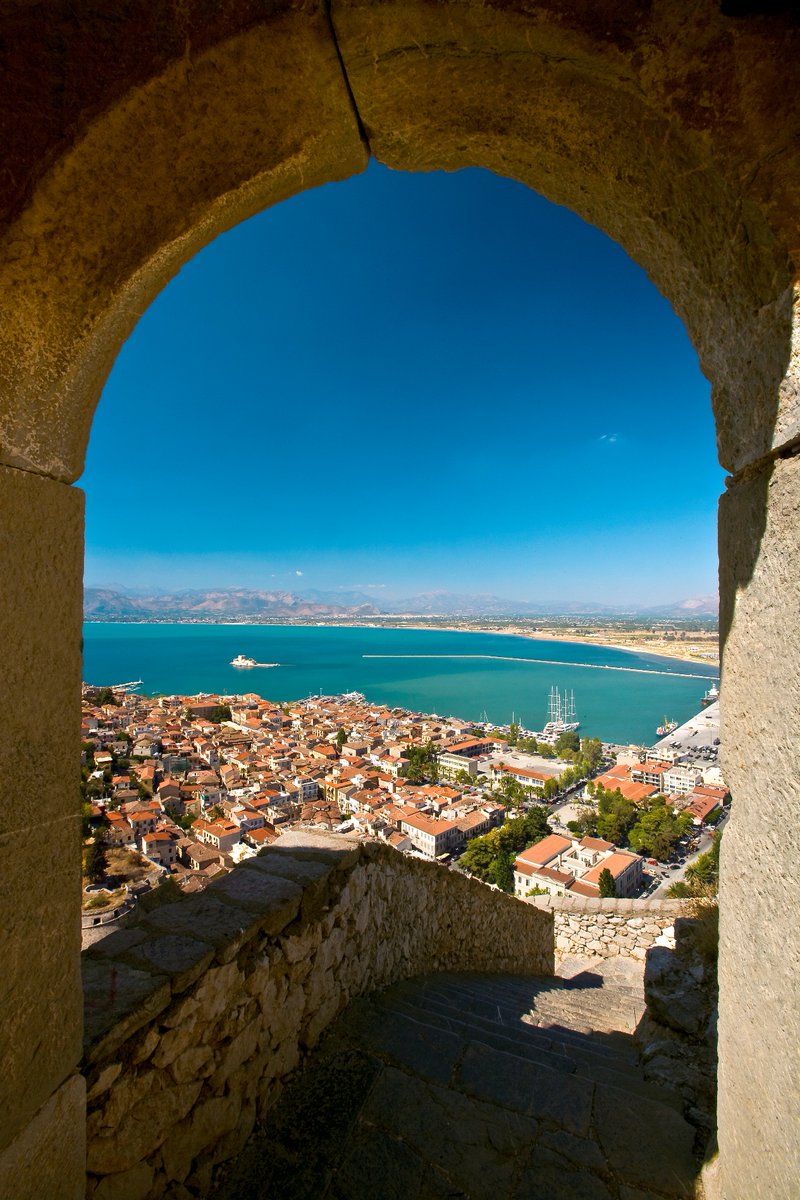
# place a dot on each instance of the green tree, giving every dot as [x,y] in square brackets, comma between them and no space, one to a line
[105,696]
[95,861]
[606,884]
[702,877]
[658,829]
[513,733]
[512,790]
[567,743]
[502,871]
[421,764]
[550,789]
[592,752]
[86,819]
[491,857]
[615,816]
[341,738]
[220,713]
[586,821]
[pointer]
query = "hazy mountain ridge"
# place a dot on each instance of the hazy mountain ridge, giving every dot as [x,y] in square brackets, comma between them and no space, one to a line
[226,603]
[242,603]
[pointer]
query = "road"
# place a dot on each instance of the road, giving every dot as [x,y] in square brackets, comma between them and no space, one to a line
[670,877]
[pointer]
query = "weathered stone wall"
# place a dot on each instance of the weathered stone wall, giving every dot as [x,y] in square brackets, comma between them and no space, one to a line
[759,959]
[195,1017]
[608,928]
[130,141]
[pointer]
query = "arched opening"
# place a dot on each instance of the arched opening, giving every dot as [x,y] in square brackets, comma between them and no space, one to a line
[122,180]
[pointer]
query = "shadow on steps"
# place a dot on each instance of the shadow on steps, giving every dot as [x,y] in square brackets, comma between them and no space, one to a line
[482,1087]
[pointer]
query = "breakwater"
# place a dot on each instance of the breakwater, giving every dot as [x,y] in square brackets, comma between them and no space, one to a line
[552,662]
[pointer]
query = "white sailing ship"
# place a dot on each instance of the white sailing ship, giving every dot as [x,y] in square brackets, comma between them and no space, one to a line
[561,713]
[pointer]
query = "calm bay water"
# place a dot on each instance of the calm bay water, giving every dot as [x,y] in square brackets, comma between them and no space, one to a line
[612,704]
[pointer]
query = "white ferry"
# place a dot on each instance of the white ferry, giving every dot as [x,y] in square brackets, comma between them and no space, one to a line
[242,661]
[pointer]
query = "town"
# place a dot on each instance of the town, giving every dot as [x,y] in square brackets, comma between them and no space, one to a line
[179,789]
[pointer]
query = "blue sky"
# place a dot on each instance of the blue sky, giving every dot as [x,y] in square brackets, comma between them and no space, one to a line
[404,383]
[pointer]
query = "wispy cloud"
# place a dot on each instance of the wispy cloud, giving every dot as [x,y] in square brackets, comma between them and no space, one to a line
[610,439]
[298,572]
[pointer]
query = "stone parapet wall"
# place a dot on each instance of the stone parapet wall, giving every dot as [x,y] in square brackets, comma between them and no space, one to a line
[196,1016]
[96,925]
[605,928]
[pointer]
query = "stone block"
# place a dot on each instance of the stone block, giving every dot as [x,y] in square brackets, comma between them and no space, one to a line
[330,848]
[134,1184]
[48,1157]
[759,1018]
[131,1089]
[240,1048]
[173,1042]
[41,549]
[183,959]
[207,1123]
[100,1081]
[195,1063]
[311,876]
[276,901]
[118,1000]
[225,926]
[142,1130]
[212,996]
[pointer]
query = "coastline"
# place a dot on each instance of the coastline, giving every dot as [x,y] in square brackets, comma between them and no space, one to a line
[657,651]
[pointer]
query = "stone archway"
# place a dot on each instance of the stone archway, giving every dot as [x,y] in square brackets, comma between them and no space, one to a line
[133,140]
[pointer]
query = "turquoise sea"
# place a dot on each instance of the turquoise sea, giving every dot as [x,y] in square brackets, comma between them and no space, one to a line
[453,674]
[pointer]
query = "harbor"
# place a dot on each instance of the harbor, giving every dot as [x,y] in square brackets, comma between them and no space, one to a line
[699,735]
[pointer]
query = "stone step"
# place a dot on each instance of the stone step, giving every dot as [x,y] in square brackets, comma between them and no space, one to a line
[609,1007]
[487,1015]
[402,1030]
[555,1039]
[437,1088]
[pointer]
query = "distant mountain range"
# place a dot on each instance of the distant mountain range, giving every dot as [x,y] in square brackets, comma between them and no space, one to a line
[241,604]
[220,603]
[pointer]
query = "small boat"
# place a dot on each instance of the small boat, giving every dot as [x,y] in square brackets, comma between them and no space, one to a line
[711,695]
[666,728]
[242,661]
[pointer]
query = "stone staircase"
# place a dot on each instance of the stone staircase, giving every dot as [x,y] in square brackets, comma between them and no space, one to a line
[477,1087]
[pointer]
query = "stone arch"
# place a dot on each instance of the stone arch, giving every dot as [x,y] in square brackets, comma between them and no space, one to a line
[134,139]
[601,116]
